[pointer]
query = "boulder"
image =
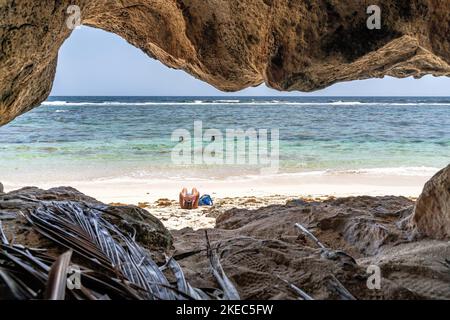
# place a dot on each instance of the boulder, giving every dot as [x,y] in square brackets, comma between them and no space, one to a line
[431,216]
[137,222]
[261,248]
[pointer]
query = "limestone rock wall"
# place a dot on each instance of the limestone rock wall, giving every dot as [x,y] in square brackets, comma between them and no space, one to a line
[431,216]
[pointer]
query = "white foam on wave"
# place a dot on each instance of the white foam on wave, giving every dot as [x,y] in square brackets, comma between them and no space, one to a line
[350,103]
[239,102]
[131,176]
[421,171]
[226,101]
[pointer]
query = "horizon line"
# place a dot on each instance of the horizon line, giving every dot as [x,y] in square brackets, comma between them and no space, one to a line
[258,96]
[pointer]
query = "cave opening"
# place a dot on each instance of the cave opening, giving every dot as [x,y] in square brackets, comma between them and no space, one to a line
[354,192]
[113,111]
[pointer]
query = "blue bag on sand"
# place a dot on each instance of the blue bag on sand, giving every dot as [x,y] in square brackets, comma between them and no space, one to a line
[205,200]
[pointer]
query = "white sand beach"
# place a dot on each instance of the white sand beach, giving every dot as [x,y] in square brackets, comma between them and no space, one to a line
[160,196]
[134,191]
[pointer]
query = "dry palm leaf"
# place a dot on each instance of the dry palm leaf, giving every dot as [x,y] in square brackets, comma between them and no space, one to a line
[19,278]
[17,288]
[310,235]
[340,289]
[113,265]
[57,278]
[32,282]
[229,290]
[3,238]
[182,284]
[82,229]
[297,290]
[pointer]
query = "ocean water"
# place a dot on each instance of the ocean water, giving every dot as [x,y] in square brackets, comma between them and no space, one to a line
[84,138]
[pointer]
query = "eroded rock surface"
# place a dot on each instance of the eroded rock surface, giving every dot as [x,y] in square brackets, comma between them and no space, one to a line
[262,252]
[234,44]
[260,247]
[432,212]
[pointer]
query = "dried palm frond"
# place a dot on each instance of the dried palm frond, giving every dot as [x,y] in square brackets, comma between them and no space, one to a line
[33,282]
[123,268]
[57,278]
[85,232]
[3,238]
[113,264]
[17,288]
[182,284]
[310,235]
[303,295]
[20,278]
[229,290]
[340,289]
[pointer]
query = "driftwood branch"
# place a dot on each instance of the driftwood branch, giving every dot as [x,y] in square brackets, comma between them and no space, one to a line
[334,283]
[340,289]
[310,235]
[57,278]
[3,237]
[296,289]
[229,290]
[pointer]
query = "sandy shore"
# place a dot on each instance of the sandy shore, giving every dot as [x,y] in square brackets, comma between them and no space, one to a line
[174,218]
[160,196]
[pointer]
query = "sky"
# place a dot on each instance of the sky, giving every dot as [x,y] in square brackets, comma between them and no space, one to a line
[93,62]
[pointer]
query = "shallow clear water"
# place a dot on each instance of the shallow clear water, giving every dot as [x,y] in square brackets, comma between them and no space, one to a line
[107,137]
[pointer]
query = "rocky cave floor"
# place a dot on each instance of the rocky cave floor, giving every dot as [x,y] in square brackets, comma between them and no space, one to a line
[263,253]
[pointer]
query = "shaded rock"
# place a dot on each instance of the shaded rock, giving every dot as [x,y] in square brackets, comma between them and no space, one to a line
[258,247]
[353,224]
[369,235]
[431,216]
[33,194]
[289,45]
[256,265]
[148,230]
[418,265]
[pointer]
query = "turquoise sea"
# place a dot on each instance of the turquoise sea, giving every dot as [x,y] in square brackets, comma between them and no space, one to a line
[111,137]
